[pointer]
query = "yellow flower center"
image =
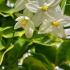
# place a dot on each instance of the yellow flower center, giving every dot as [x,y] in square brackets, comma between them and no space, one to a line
[24,22]
[56,23]
[44,8]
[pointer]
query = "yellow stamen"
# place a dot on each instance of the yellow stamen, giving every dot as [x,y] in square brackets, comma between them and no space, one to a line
[44,8]
[56,23]
[24,22]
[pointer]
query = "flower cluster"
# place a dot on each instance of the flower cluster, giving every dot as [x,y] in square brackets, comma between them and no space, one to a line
[45,14]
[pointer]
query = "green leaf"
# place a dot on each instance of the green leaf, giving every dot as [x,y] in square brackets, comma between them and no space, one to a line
[12,1]
[65,5]
[6,10]
[11,61]
[44,59]
[48,39]
[1,46]
[4,28]
[64,52]
[3,7]
[49,51]
[3,53]
[32,63]
[24,44]
[15,34]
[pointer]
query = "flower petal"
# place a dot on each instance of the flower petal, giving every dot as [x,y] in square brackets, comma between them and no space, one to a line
[32,6]
[20,18]
[55,12]
[66,21]
[29,29]
[55,3]
[17,25]
[19,5]
[31,24]
[49,2]
[29,32]
[59,32]
[38,18]
[45,27]
[66,18]
[67,32]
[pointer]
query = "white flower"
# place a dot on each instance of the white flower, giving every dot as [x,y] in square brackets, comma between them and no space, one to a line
[25,23]
[43,9]
[41,5]
[54,26]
